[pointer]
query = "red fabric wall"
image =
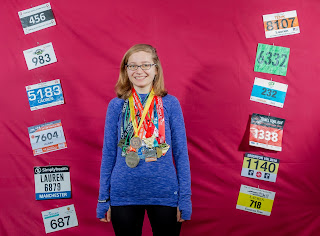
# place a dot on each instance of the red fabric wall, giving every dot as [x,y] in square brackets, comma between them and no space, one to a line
[207,49]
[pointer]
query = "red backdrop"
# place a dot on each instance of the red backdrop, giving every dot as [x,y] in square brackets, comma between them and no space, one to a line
[207,49]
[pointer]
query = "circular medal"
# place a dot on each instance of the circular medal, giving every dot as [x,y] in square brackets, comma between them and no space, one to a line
[132,159]
[159,152]
[135,142]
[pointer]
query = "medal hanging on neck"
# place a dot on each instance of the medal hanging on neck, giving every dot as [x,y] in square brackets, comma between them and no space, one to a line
[126,129]
[160,125]
[132,158]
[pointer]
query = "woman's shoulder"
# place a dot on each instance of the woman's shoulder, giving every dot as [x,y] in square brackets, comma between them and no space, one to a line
[170,100]
[115,104]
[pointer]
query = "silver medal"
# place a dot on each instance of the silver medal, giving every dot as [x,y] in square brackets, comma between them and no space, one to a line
[136,142]
[132,159]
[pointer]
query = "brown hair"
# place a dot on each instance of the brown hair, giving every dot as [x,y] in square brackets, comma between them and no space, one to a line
[124,86]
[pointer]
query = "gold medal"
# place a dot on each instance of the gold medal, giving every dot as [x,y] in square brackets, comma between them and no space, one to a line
[165,147]
[121,143]
[159,151]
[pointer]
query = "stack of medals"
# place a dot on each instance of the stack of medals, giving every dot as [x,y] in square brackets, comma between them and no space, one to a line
[146,141]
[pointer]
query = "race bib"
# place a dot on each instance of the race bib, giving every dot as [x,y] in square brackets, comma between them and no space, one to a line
[40,56]
[255,200]
[260,167]
[37,18]
[269,92]
[46,94]
[47,137]
[59,218]
[272,59]
[281,24]
[52,182]
[266,132]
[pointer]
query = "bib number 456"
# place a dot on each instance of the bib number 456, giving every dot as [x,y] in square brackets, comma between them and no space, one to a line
[37,18]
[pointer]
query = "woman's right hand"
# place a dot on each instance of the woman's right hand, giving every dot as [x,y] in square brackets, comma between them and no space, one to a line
[108,218]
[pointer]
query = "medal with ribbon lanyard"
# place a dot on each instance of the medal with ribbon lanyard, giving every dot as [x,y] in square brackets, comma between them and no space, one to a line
[126,129]
[132,158]
[163,146]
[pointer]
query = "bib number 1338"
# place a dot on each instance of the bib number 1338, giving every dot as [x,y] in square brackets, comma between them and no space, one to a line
[266,132]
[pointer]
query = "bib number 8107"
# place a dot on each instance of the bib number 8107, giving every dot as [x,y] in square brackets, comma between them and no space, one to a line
[266,135]
[59,222]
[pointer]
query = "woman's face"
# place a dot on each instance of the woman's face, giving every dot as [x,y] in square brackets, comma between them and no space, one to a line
[141,79]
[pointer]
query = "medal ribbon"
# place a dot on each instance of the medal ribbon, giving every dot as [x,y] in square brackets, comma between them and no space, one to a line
[147,123]
[145,111]
[161,124]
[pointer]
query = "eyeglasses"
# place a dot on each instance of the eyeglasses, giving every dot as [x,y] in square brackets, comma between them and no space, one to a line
[143,66]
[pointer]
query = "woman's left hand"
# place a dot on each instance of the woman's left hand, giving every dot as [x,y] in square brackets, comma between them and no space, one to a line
[179,219]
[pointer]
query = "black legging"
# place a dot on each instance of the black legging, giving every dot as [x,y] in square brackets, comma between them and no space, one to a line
[128,220]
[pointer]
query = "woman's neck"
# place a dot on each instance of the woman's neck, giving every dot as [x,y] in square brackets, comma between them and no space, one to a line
[142,90]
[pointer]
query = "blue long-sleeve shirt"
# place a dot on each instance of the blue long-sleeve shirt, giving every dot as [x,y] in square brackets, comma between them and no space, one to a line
[150,183]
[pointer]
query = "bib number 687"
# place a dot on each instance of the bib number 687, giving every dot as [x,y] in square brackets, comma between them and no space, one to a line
[60,222]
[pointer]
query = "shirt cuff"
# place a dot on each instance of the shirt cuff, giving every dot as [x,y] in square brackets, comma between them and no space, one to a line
[185,206]
[102,209]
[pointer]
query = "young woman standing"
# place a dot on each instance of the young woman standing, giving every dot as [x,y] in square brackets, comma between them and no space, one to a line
[144,132]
